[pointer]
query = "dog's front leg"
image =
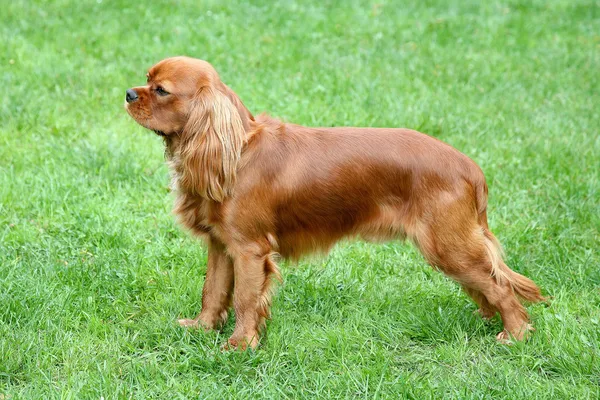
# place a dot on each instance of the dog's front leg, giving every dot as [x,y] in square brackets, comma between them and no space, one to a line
[217,291]
[252,296]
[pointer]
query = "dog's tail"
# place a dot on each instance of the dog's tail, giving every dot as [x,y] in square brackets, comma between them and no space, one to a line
[523,286]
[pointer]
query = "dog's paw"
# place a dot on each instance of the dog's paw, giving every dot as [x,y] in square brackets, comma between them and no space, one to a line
[189,323]
[205,321]
[504,338]
[509,338]
[241,343]
[486,315]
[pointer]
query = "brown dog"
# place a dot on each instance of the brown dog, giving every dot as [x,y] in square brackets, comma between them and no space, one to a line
[255,187]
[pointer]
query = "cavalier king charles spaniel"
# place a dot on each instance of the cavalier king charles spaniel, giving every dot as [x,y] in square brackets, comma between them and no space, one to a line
[256,187]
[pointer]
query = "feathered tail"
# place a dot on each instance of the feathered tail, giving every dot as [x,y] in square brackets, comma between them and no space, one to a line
[523,286]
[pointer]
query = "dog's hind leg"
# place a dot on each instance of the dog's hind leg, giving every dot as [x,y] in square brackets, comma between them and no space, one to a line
[451,239]
[486,310]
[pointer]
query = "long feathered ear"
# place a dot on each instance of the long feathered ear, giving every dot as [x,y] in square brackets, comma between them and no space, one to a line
[212,142]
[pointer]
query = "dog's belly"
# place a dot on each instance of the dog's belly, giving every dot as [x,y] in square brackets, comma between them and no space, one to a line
[383,223]
[313,219]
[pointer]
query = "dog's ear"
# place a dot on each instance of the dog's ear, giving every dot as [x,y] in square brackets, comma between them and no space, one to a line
[245,114]
[212,142]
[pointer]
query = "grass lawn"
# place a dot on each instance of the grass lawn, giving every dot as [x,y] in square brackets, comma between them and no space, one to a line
[94,271]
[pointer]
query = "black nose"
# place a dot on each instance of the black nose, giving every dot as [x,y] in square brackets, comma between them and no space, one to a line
[131,95]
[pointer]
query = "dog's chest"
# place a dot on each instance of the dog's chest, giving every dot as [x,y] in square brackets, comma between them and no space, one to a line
[194,212]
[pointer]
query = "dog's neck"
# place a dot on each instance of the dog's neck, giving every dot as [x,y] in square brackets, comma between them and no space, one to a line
[172,143]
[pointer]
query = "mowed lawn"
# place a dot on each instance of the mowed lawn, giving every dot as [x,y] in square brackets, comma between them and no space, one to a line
[94,271]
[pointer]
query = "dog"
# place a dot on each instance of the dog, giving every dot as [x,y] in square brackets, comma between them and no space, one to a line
[258,187]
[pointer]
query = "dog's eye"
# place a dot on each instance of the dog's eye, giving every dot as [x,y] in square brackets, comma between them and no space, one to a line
[161,91]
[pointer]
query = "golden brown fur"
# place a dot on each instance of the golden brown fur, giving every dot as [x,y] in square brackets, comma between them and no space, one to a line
[253,187]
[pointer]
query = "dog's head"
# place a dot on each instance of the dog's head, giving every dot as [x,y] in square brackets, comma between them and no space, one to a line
[184,97]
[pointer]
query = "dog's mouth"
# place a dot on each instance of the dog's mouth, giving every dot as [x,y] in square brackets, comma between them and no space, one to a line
[143,120]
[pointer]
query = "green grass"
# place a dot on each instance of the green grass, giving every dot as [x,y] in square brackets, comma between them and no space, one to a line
[94,271]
